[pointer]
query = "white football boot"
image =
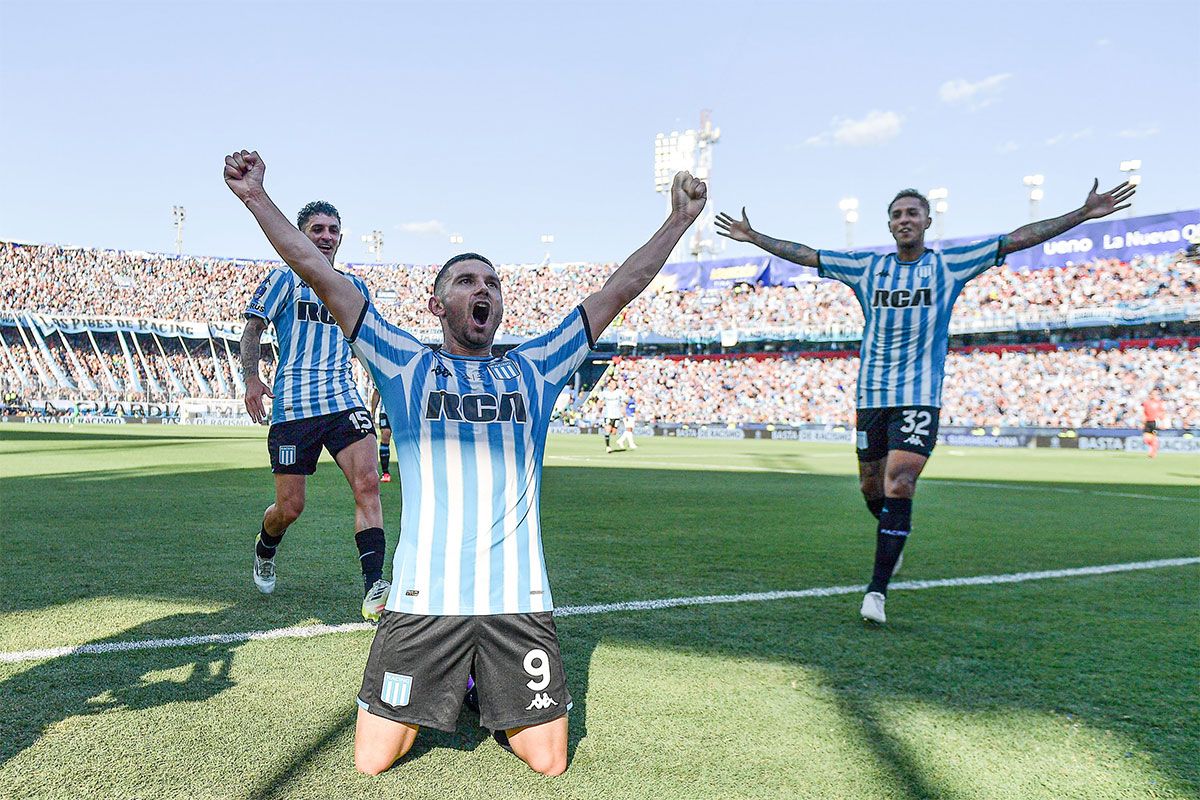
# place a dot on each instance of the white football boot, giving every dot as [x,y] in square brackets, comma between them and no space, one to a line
[264,574]
[872,608]
[376,599]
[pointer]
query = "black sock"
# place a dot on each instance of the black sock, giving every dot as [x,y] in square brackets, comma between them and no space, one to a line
[385,456]
[606,444]
[265,548]
[875,506]
[895,523]
[371,546]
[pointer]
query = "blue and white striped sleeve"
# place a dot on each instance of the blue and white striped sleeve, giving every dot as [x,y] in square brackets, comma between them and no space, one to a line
[966,261]
[558,353]
[846,267]
[381,346]
[270,296]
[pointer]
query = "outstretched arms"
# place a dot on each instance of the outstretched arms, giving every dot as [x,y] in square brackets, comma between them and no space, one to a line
[251,352]
[740,231]
[1094,207]
[634,275]
[244,173]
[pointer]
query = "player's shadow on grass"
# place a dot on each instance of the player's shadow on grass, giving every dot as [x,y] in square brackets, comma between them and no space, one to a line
[49,692]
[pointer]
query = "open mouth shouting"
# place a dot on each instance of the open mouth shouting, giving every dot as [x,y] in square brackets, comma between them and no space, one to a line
[481,312]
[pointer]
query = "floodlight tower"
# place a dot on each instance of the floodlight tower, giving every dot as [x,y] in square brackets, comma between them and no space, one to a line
[374,242]
[940,206]
[1130,168]
[691,151]
[178,215]
[849,207]
[1034,182]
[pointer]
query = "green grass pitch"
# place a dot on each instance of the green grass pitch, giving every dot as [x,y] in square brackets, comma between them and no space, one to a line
[1068,687]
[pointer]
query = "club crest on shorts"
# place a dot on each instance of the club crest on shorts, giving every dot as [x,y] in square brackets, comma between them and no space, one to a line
[287,455]
[396,689]
[860,440]
[504,370]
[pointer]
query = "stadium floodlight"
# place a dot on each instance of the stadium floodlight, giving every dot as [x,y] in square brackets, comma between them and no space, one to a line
[1034,184]
[940,207]
[374,242]
[456,238]
[691,151]
[1130,168]
[547,238]
[178,214]
[849,208]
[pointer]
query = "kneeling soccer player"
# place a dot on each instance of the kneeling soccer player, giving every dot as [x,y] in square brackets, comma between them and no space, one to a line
[469,584]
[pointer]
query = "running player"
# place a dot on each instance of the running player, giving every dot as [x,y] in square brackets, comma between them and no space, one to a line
[613,404]
[315,405]
[470,584]
[906,298]
[1152,411]
[385,437]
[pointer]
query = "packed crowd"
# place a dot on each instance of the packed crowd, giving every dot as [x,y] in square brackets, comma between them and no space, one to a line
[55,280]
[1062,388]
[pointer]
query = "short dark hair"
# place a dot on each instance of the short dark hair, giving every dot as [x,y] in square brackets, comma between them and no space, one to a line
[314,208]
[440,280]
[910,193]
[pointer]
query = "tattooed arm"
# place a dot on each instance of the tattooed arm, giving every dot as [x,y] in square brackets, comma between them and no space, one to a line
[740,231]
[1096,206]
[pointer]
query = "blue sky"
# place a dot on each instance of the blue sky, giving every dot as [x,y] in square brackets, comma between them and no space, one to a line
[504,121]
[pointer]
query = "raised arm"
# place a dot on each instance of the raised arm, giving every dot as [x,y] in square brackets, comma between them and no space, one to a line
[251,353]
[1094,207]
[244,175]
[740,231]
[634,275]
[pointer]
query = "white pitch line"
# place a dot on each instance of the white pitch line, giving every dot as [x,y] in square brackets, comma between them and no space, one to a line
[309,631]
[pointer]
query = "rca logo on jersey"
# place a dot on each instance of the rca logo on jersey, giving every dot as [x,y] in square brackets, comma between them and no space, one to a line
[309,311]
[287,455]
[508,407]
[902,298]
[541,701]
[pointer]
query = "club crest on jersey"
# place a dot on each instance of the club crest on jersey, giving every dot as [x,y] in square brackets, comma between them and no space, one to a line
[925,272]
[396,689]
[287,455]
[504,370]
[476,407]
[902,298]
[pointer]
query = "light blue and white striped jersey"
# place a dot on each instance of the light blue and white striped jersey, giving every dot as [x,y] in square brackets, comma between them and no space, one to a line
[313,376]
[468,436]
[907,308]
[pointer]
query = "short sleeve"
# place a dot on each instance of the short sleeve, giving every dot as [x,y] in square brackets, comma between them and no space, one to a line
[558,353]
[966,261]
[270,296]
[846,267]
[381,346]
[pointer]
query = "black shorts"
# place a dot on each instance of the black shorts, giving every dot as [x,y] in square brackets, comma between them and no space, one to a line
[612,422]
[1150,427]
[418,666]
[910,428]
[295,446]
[384,423]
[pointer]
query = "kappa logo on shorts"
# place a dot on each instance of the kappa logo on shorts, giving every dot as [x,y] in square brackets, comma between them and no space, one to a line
[396,689]
[914,439]
[861,440]
[287,455]
[541,701]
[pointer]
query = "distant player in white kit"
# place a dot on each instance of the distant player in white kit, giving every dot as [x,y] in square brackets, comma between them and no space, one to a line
[907,298]
[626,441]
[469,580]
[612,404]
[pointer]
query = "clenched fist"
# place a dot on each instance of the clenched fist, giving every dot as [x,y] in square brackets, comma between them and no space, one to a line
[688,195]
[244,173]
